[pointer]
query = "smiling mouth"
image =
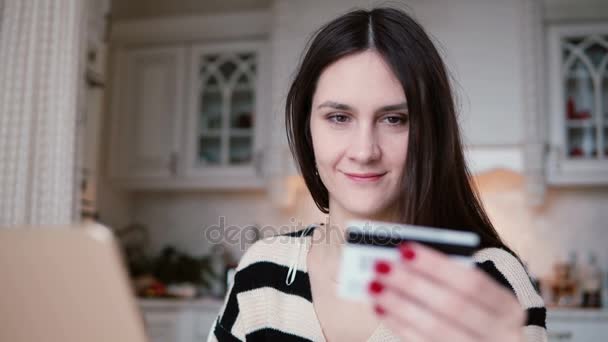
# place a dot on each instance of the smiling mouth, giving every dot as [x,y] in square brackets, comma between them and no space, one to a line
[365,177]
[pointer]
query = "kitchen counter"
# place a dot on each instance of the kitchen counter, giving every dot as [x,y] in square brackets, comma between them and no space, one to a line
[186,320]
[577,314]
[178,304]
[216,303]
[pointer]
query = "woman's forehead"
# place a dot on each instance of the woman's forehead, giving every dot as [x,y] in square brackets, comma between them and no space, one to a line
[361,79]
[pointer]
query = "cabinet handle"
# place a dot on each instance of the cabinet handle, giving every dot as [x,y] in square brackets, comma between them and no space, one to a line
[560,336]
[560,155]
[173,163]
[257,162]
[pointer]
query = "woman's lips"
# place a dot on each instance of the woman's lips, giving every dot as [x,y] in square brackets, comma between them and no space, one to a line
[365,177]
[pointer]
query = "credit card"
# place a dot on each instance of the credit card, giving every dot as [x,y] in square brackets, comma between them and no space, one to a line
[370,241]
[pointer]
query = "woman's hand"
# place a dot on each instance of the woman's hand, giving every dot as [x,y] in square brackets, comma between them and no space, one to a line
[426,296]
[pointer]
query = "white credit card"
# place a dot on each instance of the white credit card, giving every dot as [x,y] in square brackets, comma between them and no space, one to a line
[370,241]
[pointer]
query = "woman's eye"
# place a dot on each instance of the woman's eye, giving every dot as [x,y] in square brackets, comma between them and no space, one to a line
[338,118]
[396,119]
[393,120]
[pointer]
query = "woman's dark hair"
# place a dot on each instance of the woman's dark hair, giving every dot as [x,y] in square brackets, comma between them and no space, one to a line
[437,188]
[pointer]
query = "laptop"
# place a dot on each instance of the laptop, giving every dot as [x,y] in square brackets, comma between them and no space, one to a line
[65,284]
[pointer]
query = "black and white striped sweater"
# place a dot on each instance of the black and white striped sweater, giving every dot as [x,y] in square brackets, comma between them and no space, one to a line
[260,306]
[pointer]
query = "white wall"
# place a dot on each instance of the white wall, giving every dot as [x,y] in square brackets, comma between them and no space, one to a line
[570,220]
[483,50]
[569,10]
[182,218]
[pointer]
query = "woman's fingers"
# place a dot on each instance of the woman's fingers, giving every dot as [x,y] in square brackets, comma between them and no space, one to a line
[406,332]
[407,317]
[469,282]
[439,300]
[430,297]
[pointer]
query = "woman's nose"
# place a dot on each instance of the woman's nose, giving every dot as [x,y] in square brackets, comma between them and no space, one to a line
[363,147]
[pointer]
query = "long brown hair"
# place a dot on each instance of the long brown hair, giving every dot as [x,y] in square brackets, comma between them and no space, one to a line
[437,188]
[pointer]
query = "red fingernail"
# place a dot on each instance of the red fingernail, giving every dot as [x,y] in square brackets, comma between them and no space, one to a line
[407,252]
[382,267]
[379,310]
[375,287]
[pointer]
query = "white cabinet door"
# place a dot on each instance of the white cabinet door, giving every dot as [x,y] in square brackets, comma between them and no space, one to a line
[226,115]
[578,112]
[179,320]
[190,117]
[147,113]
[578,331]
[577,325]
[204,322]
[162,326]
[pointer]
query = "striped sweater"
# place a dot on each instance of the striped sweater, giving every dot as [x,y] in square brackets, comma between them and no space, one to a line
[260,306]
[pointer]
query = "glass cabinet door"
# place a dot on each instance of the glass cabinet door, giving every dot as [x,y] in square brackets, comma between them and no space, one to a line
[226,107]
[585,74]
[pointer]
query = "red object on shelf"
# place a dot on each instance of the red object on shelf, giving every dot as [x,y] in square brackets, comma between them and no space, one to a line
[156,289]
[570,108]
[576,152]
[571,112]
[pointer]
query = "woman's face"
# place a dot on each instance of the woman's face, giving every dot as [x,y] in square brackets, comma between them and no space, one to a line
[359,127]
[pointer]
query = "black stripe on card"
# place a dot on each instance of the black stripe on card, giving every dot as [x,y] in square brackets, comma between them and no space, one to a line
[370,239]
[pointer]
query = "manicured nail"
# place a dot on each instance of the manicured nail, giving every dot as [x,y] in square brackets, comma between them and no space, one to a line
[379,310]
[375,287]
[407,252]
[382,267]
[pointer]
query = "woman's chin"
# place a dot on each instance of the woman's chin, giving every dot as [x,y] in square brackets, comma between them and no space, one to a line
[366,210]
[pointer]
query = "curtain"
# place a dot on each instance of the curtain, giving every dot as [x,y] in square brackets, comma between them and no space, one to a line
[41,59]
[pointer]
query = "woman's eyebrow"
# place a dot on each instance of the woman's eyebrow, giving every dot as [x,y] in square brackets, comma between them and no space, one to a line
[392,108]
[342,106]
[334,105]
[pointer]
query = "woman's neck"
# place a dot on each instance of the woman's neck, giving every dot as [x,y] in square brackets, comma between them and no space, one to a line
[329,239]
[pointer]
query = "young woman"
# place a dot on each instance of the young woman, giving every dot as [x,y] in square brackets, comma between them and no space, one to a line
[371,123]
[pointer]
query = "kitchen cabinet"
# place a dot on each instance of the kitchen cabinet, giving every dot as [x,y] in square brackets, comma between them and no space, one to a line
[224,127]
[163,325]
[147,112]
[189,102]
[191,320]
[168,320]
[577,325]
[578,106]
[189,116]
